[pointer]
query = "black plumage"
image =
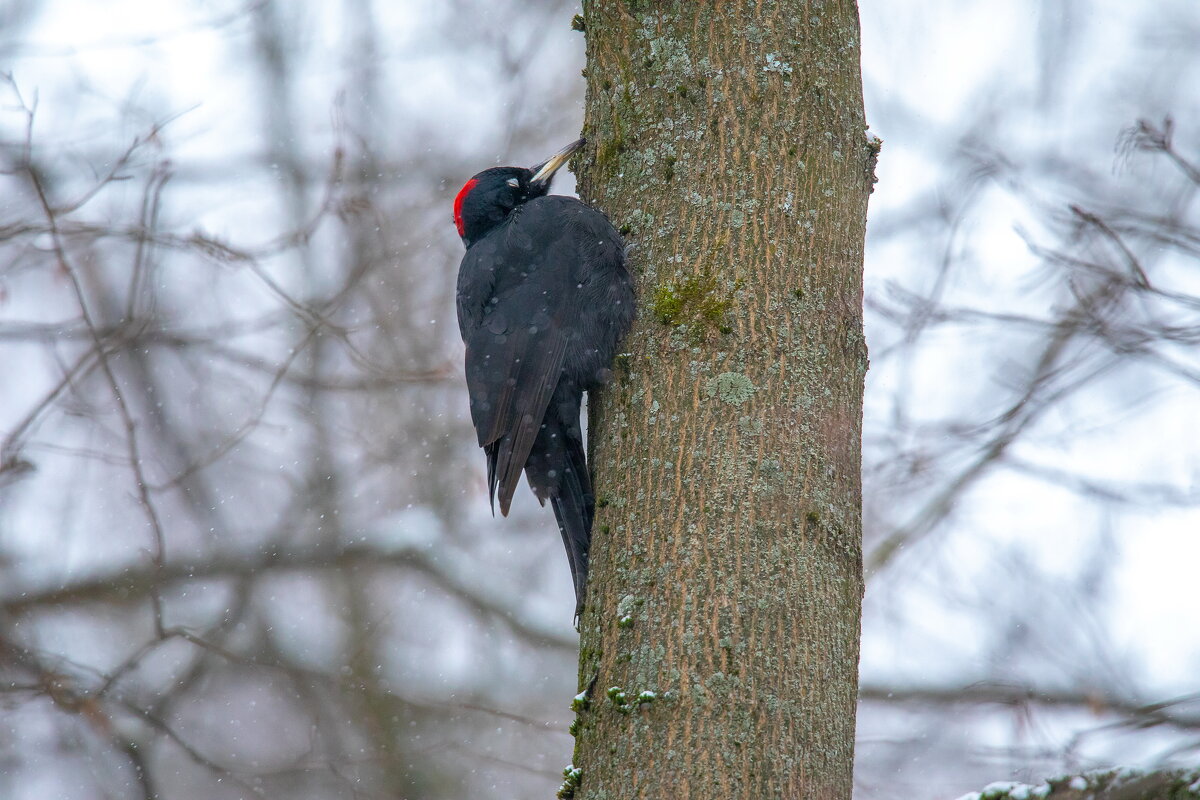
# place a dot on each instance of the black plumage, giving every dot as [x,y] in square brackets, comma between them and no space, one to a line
[544,298]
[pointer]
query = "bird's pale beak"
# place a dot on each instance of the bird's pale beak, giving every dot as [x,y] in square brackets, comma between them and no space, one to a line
[544,172]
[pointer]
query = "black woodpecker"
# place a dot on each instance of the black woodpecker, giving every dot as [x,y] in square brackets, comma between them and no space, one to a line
[544,299]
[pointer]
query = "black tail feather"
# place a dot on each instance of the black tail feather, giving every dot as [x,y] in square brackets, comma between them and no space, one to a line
[557,471]
[490,450]
[574,508]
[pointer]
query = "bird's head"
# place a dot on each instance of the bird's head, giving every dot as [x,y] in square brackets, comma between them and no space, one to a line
[490,196]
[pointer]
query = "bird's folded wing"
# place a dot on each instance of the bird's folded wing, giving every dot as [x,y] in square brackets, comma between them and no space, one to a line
[512,369]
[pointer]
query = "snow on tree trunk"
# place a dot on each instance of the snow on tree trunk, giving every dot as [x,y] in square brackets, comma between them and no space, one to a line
[719,647]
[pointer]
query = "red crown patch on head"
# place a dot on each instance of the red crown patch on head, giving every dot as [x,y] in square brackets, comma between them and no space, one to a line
[458,201]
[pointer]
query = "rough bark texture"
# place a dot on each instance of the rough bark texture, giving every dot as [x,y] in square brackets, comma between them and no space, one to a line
[727,142]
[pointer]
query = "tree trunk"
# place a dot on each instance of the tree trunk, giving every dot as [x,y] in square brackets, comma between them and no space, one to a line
[720,641]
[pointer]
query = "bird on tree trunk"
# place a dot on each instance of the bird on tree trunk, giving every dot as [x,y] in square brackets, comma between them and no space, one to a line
[544,299]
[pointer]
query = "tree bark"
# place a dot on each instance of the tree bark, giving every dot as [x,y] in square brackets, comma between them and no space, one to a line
[719,648]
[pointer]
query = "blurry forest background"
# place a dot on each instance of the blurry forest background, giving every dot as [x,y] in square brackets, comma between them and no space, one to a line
[226,277]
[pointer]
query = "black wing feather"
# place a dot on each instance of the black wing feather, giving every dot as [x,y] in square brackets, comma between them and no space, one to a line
[513,315]
[509,424]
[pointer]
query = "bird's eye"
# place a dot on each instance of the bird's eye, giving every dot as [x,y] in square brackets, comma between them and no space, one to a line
[513,182]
